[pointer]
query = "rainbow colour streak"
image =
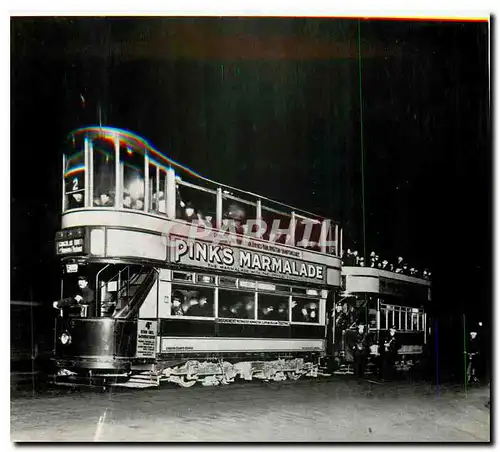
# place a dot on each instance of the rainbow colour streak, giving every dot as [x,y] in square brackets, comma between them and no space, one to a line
[75,170]
[134,141]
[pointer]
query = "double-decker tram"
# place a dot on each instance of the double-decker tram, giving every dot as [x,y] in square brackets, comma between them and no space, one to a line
[169,276]
[381,301]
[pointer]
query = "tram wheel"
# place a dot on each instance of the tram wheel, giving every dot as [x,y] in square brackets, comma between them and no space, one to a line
[183,383]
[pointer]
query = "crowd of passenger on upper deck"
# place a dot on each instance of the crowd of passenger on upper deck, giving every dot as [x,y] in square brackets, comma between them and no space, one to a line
[351,258]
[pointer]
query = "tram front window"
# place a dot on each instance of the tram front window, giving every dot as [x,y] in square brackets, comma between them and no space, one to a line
[104,172]
[74,174]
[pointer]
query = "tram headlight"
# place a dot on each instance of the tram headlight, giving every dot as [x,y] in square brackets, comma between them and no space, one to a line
[65,338]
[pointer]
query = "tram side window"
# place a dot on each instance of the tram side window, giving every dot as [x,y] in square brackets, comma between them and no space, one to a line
[74,175]
[305,310]
[103,151]
[307,234]
[157,190]
[272,307]
[407,324]
[196,205]
[132,178]
[236,304]
[197,302]
[277,226]
[383,318]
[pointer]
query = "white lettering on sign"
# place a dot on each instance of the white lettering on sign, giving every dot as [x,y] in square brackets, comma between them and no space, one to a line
[70,246]
[146,338]
[233,258]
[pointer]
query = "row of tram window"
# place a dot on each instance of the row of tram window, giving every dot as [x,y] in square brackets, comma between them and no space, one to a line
[242,299]
[364,311]
[105,166]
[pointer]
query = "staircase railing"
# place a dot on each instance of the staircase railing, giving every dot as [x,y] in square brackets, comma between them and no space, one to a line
[135,302]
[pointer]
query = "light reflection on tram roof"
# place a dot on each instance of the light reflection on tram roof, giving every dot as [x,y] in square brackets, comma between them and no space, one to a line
[133,139]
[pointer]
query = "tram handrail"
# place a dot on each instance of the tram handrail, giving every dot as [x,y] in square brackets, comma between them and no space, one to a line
[133,305]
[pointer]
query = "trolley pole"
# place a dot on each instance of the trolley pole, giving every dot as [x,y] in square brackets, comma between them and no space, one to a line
[465,353]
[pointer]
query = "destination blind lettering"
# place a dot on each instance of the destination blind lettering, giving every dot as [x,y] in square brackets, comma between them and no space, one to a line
[70,246]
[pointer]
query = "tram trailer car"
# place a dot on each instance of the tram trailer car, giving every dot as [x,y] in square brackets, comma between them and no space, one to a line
[168,276]
[381,300]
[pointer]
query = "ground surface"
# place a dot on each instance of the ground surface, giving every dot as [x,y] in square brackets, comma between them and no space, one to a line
[334,409]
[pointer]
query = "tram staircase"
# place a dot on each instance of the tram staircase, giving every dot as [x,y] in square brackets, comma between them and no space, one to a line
[133,292]
[133,285]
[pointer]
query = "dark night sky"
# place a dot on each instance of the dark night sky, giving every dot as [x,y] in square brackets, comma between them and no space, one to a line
[272,106]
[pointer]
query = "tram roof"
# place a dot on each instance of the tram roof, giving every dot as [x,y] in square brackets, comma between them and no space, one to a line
[139,143]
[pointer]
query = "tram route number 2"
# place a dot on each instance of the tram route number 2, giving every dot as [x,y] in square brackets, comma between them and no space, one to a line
[146,338]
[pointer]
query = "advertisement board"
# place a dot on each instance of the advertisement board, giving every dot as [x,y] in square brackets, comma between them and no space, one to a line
[199,253]
[146,338]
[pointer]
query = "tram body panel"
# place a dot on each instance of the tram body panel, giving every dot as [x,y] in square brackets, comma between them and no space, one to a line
[98,344]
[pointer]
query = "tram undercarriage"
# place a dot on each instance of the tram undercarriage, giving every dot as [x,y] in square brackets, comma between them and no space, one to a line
[208,372]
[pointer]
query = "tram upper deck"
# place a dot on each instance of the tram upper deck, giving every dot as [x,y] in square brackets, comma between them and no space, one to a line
[383,282]
[122,197]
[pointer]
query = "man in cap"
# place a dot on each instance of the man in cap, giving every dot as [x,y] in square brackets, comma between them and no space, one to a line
[84,296]
[389,354]
[360,351]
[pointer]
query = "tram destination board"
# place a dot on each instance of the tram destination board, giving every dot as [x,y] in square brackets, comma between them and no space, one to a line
[70,241]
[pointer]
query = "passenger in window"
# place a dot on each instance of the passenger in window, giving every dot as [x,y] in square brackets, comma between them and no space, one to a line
[159,202]
[104,200]
[361,262]
[283,311]
[237,310]
[189,302]
[312,313]
[201,308]
[189,213]
[138,204]
[267,313]
[75,201]
[249,309]
[177,299]
[127,201]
